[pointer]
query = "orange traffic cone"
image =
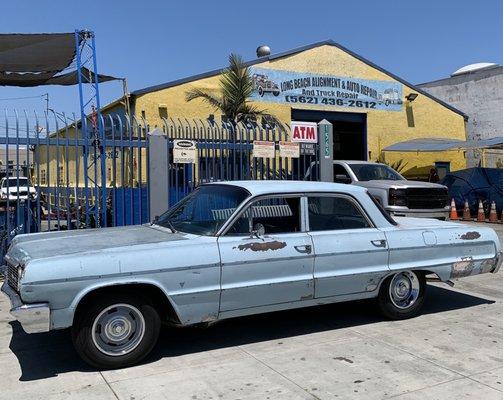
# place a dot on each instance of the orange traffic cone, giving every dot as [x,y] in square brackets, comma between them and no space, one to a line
[493,215]
[466,212]
[453,216]
[481,217]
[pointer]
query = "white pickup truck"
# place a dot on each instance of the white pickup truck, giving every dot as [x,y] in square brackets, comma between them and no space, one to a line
[397,195]
[16,188]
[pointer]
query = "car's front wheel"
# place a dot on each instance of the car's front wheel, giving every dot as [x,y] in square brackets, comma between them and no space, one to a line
[402,295]
[116,331]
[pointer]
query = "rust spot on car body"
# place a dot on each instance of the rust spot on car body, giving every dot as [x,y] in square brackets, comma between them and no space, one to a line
[262,246]
[470,236]
[462,268]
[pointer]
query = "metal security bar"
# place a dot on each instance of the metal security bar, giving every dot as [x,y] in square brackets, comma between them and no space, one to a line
[225,153]
[54,177]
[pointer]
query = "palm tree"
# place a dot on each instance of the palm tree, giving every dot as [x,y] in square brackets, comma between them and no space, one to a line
[236,87]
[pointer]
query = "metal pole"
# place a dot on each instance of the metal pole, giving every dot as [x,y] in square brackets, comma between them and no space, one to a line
[326,150]
[158,173]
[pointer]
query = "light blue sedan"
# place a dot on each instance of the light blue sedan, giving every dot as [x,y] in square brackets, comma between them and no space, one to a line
[228,250]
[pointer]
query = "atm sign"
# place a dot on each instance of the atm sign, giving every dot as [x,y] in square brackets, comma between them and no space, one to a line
[304,132]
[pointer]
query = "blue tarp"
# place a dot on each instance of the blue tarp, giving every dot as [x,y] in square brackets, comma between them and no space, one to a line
[474,184]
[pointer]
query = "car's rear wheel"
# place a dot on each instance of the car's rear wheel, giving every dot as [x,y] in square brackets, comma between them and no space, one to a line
[402,295]
[116,331]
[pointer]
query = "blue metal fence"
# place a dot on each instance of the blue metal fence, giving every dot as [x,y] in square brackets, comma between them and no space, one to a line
[57,174]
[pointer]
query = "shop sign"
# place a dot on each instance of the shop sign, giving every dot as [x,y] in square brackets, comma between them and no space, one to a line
[304,132]
[263,149]
[299,88]
[184,152]
[307,149]
[289,149]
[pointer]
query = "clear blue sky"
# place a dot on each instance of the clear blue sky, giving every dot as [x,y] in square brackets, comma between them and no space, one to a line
[150,42]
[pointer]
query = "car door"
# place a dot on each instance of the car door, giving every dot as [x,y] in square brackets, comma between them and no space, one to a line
[351,254]
[272,266]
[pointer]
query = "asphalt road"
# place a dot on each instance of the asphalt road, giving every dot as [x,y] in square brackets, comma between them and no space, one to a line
[453,351]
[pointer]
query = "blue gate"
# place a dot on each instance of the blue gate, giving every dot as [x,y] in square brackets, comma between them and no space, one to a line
[59,174]
[56,174]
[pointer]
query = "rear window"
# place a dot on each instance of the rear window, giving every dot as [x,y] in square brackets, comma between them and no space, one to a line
[384,213]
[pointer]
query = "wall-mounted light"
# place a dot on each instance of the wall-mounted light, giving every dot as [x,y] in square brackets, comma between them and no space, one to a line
[411,97]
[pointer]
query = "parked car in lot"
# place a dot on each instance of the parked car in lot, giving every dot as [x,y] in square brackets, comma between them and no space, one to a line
[14,188]
[397,195]
[228,250]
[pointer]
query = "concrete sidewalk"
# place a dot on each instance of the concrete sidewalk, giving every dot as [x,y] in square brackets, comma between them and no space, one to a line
[454,350]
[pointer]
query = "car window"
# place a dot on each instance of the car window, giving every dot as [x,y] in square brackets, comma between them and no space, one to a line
[372,172]
[269,216]
[14,182]
[205,210]
[334,212]
[340,170]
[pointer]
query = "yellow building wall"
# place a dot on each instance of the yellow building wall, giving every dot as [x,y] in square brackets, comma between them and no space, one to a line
[431,119]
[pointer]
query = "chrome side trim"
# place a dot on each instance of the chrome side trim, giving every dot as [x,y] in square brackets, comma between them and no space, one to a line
[34,318]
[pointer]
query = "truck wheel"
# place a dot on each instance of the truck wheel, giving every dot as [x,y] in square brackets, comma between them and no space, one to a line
[402,295]
[116,331]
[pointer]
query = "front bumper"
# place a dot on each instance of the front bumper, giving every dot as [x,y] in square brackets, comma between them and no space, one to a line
[442,213]
[34,318]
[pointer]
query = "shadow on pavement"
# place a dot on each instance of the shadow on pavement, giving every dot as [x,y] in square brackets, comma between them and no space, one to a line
[49,354]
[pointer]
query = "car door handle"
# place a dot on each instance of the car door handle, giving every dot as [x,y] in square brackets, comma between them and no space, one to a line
[306,249]
[378,243]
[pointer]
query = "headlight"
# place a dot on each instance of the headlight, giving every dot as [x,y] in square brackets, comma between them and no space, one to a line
[20,272]
[397,197]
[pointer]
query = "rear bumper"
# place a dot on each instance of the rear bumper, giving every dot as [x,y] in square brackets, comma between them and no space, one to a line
[499,261]
[34,318]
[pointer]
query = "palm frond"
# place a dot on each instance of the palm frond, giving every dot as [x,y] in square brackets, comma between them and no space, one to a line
[236,87]
[207,97]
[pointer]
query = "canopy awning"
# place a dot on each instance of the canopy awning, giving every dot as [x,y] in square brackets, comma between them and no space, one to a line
[28,60]
[444,144]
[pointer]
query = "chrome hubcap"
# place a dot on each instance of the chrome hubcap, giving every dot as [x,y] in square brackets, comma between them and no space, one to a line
[404,289]
[118,329]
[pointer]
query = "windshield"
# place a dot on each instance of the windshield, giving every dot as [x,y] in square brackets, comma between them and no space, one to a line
[205,210]
[13,182]
[372,172]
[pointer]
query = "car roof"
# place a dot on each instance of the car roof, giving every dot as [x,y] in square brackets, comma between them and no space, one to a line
[271,187]
[355,162]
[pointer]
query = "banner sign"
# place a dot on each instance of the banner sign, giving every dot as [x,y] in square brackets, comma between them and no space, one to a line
[276,86]
[184,152]
[289,149]
[304,132]
[264,149]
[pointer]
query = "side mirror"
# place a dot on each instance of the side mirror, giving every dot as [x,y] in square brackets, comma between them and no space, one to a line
[341,178]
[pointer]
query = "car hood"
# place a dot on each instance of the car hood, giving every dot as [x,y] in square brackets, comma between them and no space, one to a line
[53,244]
[387,184]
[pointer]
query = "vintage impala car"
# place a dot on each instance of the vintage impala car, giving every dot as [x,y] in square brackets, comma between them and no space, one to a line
[228,250]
